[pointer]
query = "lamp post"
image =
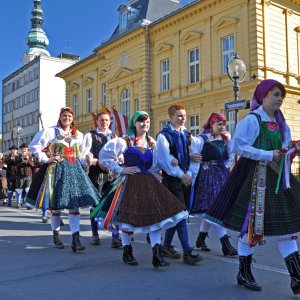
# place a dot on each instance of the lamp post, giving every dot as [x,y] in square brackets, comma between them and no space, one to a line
[236,70]
[18,130]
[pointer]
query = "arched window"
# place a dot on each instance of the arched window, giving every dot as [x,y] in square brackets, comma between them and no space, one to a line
[125,103]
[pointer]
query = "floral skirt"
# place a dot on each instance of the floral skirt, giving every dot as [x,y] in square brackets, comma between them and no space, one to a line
[140,203]
[60,186]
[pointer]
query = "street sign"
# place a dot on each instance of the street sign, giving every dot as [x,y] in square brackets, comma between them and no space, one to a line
[238,104]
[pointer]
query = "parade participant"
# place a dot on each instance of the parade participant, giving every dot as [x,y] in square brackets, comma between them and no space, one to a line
[173,144]
[210,175]
[100,176]
[251,201]
[11,162]
[25,167]
[61,182]
[3,180]
[137,200]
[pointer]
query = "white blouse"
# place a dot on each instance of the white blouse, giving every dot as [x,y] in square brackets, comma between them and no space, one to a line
[86,146]
[44,137]
[197,146]
[165,157]
[247,131]
[108,155]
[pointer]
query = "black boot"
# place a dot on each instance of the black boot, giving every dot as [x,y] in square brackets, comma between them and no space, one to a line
[227,248]
[128,257]
[57,241]
[158,260]
[245,276]
[76,245]
[293,265]
[200,243]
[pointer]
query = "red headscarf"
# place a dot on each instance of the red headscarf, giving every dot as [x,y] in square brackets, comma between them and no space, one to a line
[214,117]
[73,126]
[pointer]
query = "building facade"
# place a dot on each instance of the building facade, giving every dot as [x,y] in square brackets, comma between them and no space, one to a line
[32,96]
[181,55]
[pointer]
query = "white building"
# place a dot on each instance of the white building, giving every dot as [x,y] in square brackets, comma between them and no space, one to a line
[32,96]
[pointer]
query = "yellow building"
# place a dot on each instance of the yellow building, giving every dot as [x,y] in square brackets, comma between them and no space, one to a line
[180,56]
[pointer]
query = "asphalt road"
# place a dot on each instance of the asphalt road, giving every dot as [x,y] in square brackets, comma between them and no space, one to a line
[31,268]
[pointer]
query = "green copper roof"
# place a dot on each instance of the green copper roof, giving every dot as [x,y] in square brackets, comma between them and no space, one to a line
[37,39]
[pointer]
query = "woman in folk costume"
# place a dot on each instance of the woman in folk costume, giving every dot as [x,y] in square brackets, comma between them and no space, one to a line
[209,177]
[254,200]
[61,182]
[137,201]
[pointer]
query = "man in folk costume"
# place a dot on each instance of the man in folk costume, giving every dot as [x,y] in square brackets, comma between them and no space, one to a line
[100,176]
[11,161]
[255,199]
[174,159]
[26,165]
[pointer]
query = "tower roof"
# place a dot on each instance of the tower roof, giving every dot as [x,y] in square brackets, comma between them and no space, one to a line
[37,39]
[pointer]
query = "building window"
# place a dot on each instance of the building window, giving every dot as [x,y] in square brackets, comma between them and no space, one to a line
[227,51]
[125,103]
[31,74]
[21,81]
[26,98]
[165,75]
[230,124]
[21,101]
[75,104]
[89,96]
[137,104]
[32,118]
[36,73]
[104,100]
[37,94]
[26,79]
[194,66]
[194,125]
[31,96]
[123,20]
[163,124]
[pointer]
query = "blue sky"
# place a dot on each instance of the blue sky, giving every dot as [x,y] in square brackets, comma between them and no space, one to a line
[82,25]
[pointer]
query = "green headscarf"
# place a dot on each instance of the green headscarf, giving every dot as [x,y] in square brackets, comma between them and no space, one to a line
[133,120]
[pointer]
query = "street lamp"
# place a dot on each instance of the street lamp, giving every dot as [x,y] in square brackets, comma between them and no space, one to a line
[18,130]
[236,70]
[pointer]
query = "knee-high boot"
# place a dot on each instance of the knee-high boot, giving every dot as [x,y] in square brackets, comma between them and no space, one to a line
[245,276]
[293,265]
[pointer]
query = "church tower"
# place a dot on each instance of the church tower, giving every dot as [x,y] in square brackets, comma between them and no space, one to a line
[37,39]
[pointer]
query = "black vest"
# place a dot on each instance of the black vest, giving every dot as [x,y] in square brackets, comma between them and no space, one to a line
[98,141]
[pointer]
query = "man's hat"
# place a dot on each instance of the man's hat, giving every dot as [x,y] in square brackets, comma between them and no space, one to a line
[13,147]
[24,145]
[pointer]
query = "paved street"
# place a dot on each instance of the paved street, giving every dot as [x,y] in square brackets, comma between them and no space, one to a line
[31,268]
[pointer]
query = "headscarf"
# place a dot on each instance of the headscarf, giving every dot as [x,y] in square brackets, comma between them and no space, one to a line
[133,120]
[73,126]
[261,92]
[214,117]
